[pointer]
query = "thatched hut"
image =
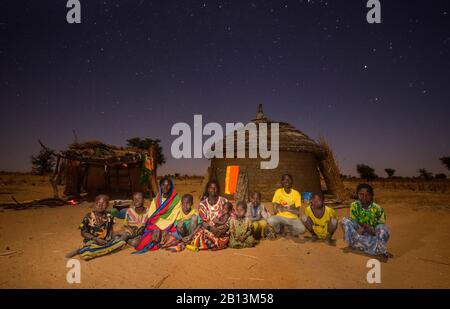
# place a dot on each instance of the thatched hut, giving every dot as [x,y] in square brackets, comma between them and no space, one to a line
[299,156]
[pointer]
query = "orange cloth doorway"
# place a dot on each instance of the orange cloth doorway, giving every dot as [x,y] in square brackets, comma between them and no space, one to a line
[231,179]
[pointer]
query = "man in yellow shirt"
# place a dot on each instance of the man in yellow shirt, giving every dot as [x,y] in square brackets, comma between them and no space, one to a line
[320,220]
[286,203]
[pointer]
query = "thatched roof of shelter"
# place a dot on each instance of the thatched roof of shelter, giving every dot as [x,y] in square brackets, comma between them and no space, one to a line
[101,153]
[290,138]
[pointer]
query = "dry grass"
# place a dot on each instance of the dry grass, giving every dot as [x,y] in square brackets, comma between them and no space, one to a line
[407,184]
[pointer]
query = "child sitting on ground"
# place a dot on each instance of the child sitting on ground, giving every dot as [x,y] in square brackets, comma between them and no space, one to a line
[97,231]
[320,220]
[190,221]
[241,229]
[135,219]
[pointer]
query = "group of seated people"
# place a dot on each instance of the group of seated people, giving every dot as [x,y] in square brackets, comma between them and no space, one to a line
[172,223]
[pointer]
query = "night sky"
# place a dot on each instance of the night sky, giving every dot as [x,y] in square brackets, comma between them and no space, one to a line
[378,92]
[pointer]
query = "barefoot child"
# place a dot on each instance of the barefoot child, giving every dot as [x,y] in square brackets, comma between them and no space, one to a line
[241,229]
[320,220]
[97,231]
[189,222]
[257,214]
[135,219]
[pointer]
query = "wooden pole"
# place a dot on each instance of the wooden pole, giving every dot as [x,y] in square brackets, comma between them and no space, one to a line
[153,176]
[54,176]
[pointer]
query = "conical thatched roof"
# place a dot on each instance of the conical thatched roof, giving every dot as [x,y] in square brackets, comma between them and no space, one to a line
[290,139]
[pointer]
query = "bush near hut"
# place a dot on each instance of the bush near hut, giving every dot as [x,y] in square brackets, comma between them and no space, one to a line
[424,174]
[404,184]
[145,144]
[366,172]
[440,176]
[42,163]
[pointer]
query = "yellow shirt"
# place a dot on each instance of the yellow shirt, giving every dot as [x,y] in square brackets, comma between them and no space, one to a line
[184,217]
[285,199]
[320,226]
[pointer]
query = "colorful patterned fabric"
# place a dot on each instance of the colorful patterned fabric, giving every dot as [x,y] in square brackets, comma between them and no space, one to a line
[92,250]
[205,239]
[134,222]
[171,243]
[240,228]
[210,212]
[373,215]
[370,244]
[100,227]
[164,213]
[147,168]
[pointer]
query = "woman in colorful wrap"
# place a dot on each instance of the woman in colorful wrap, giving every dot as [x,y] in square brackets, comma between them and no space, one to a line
[365,230]
[164,210]
[212,235]
[97,231]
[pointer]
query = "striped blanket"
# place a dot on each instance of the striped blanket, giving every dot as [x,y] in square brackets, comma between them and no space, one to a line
[166,210]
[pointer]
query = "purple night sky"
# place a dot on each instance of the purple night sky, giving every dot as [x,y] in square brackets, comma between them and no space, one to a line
[378,92]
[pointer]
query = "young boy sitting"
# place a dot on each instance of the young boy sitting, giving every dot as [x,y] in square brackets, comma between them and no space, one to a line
[257,214]
[320,220]
[190,221]
[135,219]
[97,232]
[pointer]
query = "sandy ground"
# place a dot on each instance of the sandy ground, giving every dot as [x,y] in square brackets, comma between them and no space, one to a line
[419,222]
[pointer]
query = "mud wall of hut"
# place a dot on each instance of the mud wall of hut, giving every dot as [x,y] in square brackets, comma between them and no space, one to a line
[302,166]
